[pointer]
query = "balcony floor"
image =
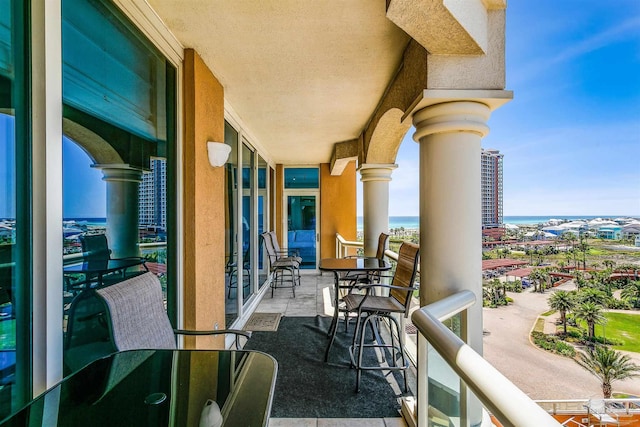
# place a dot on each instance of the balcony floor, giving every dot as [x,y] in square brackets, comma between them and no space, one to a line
[313,297]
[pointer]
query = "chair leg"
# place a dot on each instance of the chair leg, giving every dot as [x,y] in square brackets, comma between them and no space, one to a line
[363,328]
[402,353]
[293,281]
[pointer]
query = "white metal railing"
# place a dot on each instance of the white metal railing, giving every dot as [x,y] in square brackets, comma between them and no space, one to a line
[627,406]
[343,246]
[510,405]
[507,403]
[76,257]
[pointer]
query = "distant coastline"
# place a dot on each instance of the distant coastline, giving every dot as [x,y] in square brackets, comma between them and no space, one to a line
[413,222]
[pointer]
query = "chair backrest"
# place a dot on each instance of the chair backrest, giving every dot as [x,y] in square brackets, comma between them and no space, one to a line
[138,319]
[596,406]
[268,246]
[382,245]
[274,242]
[405,274]
[95,247]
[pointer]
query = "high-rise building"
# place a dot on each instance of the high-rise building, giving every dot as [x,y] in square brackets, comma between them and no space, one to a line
[152,209]
[491,188]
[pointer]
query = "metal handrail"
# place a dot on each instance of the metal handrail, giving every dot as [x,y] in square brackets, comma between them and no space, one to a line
[343,245]
[76,257]
[510,405]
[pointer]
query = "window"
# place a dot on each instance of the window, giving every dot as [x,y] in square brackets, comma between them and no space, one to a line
[15,205]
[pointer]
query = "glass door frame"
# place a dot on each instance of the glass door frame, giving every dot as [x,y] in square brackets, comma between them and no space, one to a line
[285,223]
[254,237]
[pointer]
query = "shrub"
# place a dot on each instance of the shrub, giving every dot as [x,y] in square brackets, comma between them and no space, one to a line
[565,349]
[617,304]
[552,343]
[603,340]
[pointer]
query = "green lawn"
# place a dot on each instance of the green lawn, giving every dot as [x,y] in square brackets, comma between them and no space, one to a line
[624,327]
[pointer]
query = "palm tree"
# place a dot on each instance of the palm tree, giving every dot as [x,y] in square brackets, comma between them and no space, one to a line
[632,292]
[592,314]
[608,365]
[564,302]
[592,295]
[609,264]
[536,277]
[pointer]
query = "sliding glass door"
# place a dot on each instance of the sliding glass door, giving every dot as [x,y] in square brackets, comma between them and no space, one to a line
[302,213]
[15,231]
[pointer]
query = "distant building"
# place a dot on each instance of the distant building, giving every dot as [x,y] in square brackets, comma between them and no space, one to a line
[152,209]
[491,170]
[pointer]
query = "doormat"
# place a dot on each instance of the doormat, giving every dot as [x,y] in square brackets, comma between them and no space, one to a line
[263,322]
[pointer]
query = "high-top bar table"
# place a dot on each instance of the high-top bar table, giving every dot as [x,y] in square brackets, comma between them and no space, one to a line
[343,265]
[159,388]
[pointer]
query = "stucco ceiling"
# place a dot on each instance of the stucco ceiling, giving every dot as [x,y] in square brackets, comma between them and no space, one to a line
[302,75]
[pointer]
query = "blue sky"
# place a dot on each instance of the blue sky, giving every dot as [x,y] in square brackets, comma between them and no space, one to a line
[571,135]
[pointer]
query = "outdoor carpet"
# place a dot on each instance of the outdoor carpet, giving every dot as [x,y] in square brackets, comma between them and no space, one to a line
[307,387]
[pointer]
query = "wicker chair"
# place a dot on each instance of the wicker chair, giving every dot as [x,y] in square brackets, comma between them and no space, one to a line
[370,308]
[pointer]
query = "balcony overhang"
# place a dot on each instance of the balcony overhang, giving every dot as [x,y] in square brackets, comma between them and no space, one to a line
[343,153]
[300,75]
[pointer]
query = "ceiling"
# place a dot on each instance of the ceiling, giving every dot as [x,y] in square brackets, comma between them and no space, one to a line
[301,75]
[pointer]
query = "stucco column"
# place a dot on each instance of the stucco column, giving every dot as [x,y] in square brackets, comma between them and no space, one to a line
[449,135]
[122,209]
[375,198]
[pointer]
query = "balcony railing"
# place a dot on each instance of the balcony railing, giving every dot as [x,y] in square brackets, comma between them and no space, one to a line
[455,367]
[506,402]
[346,247]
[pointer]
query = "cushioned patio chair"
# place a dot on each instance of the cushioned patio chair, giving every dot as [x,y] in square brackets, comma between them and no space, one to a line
[279,265]
[128,315]
[370,308]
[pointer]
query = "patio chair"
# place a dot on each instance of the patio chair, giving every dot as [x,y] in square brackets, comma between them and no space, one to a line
[372,277]
[280,265]
[370,308]
[231,270]
[283,253]
[352,279]
[95,248]
[597,408]
[128,315]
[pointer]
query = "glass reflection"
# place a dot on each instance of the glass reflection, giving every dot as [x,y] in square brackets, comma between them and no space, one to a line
[248,212]
[262,218]
[231,213]
[14,199]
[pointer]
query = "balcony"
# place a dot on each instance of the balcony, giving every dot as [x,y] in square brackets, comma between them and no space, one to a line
[449,362]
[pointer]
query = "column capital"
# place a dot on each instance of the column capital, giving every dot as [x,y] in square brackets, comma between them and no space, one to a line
[119,172]
[376,172]
[455,116]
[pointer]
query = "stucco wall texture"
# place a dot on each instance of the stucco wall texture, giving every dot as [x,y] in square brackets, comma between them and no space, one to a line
[203,212]
[337,207]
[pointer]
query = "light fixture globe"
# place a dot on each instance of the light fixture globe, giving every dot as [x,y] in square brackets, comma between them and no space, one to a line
[218,153]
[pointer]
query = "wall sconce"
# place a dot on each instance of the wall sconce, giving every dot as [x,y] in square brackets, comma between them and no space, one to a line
[218,153]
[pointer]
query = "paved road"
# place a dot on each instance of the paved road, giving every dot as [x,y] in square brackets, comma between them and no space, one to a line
[540,374]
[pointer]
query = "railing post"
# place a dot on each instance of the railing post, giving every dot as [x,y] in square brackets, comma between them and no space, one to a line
[422,398]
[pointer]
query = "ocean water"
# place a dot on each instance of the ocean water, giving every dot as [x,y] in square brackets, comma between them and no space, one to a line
[409,222]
